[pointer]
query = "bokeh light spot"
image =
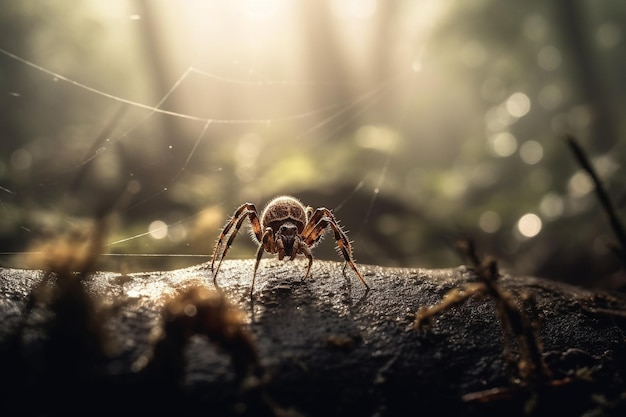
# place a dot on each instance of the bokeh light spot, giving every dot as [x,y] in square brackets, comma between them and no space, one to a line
[549,58]
[605,165]
[190,310]
[535,27]
[531,152]
[551,206]
[133,187]
[518,104]
[608,36]
[157,229]
[453,185]
[489,221]
[529,225]
[550,97]
[502,144]
[497,118]
[177,232]
[579,184]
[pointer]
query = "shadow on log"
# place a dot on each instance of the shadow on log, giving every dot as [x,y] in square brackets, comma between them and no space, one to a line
[320,347]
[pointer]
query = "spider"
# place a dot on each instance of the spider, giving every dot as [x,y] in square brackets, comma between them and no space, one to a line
[288,228]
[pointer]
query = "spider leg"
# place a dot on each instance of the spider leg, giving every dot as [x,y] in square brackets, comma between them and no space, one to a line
[314,217]
[327,219]
[305,244]
[228,243]
[246,210]
[267,242]
[304,249]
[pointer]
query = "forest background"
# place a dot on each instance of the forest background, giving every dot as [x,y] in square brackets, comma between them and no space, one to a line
[415,121]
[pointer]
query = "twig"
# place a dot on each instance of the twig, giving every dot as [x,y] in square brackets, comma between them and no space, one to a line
[603,197]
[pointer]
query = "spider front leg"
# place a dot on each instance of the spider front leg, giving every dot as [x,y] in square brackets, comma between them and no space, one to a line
[301,247]
[321,219]
[267,243]
[245,210]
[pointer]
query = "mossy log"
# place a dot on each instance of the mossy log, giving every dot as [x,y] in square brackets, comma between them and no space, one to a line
[324,346]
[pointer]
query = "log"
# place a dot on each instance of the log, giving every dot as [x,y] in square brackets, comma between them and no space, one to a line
[168,342]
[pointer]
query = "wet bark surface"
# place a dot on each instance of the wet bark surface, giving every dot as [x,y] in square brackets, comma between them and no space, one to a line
[322,347]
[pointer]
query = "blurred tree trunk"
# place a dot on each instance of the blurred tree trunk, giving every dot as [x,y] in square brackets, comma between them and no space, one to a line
[577,37]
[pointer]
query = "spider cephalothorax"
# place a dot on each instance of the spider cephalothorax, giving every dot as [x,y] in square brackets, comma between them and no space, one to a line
[286,227]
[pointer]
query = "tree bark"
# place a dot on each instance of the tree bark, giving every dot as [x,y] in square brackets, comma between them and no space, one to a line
[320,347]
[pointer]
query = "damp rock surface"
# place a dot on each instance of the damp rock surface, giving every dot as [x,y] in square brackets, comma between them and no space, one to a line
[326,346]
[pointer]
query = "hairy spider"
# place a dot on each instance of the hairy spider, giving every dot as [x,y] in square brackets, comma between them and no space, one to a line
[288,228]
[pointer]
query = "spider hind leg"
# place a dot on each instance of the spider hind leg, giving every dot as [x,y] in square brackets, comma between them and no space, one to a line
[321,219]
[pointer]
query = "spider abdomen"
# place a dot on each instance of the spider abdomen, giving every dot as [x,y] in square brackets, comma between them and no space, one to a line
[284,209]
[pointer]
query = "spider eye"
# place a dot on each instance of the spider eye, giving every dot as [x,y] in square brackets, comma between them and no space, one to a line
[287,229]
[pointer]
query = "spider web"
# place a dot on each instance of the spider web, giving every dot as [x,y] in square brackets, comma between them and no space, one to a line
[327,122]
[191,118]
